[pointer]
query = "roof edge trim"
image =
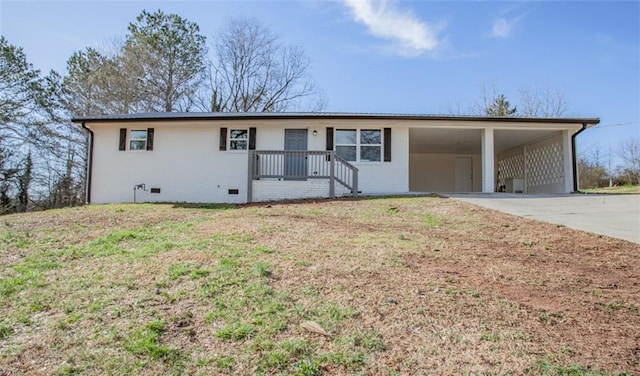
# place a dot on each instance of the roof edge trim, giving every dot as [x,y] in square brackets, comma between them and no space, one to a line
[193,116]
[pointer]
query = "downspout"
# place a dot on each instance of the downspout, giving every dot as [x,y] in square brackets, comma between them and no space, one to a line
[574,157]
[89,163]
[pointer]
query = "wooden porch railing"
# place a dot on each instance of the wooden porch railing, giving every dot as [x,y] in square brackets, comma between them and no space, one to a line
[302,165]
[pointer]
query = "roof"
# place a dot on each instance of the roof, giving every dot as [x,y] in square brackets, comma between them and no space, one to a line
[163,116]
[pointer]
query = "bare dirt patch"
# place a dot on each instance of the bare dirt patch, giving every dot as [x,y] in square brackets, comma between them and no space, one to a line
[402,286]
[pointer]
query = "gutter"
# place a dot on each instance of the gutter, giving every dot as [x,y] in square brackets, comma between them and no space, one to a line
[575,158]
[89,164]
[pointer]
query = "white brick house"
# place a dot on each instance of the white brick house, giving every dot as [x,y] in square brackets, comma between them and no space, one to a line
[243,157]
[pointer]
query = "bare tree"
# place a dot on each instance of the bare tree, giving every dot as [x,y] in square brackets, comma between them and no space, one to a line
[23,95]
[542,102]
[25,102]
[629,153]
[533,102]
[488,94]
[35,134]
[455,107]
[592,172]
[253,72]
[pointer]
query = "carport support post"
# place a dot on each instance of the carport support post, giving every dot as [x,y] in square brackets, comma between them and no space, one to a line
[488,175]
[567,156]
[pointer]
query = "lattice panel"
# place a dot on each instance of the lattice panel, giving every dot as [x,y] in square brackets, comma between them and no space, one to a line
[545,164]
[510,167]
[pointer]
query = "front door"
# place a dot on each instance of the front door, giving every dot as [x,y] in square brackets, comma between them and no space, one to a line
[464,174]
[295,164]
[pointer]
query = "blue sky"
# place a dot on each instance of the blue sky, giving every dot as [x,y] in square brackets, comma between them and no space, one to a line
[400,56]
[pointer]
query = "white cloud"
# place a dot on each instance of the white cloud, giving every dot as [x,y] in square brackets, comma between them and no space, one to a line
[411,35]
[502,27]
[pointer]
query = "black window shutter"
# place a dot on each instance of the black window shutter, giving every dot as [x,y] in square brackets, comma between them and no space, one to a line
[123,139]
[329,139]
[252,139]
[387,144]
[150,132]
[223,139]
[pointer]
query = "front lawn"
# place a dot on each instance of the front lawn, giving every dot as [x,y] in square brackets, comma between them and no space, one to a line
[386,286]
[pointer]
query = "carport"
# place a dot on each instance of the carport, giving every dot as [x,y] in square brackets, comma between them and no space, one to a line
[517,155]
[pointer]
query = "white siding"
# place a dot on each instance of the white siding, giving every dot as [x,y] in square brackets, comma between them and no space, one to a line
[187,165]
[387,177]
[374,177]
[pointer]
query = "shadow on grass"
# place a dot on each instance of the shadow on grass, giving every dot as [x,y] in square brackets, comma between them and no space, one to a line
[201,205]
[297,201]
[220,206]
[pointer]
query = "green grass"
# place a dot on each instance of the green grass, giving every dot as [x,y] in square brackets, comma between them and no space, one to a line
[491,337]
[225,362]
[5,330]
[144,341]
[622,189]
[613,307]
[433,220]
[192,270]
[236,331]
[545,368]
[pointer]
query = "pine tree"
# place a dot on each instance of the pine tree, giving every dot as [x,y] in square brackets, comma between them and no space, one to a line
[501,108]
[170,53]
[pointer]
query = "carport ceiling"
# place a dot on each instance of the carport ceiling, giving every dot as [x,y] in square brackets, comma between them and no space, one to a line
[444,140]
[468,141]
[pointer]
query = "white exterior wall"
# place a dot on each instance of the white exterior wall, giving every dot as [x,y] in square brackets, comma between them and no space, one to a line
[273,189]
[387,177]
[435,172]
[373,177]
[187,165]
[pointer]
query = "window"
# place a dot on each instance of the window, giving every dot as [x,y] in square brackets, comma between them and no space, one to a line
[138,140]
[370,145]
[362,145]
[346,144]
[238,139]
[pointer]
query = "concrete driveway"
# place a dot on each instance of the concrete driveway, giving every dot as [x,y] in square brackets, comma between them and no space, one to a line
[617,216]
